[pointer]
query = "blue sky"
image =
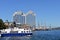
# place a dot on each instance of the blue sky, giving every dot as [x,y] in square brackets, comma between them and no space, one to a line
[47,11]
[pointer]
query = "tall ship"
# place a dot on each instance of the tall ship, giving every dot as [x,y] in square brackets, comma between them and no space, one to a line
[10,32]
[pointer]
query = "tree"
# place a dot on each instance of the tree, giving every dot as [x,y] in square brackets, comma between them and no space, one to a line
[2,26]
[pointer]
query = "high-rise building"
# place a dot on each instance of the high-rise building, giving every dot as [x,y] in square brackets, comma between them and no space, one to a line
[19,17]
[30,19]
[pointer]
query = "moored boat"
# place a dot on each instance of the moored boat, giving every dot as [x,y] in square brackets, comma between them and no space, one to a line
[10,32]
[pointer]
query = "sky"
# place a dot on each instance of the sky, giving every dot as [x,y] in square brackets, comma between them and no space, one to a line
[47,11]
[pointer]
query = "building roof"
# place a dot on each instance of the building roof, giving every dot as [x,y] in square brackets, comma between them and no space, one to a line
[30,12]
[18,13]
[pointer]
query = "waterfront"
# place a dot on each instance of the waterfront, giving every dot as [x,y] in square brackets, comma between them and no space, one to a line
[38,35]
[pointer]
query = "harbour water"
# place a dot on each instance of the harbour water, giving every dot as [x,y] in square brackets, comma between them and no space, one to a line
[38,35]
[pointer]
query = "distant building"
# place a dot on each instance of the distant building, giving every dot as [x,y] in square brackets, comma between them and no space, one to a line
[9,24]
[19,17]
[30,19]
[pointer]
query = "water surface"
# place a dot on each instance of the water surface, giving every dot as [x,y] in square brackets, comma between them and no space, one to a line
[38,35]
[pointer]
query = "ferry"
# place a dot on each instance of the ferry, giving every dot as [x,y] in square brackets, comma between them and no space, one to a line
[10,32]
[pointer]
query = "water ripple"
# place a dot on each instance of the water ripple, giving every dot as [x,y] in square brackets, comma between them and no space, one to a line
[38,35]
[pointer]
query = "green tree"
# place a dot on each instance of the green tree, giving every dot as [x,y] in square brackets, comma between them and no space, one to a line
[2,26]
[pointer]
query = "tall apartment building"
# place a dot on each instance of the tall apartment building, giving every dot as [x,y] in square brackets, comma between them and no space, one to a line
[19,17]
[28,18]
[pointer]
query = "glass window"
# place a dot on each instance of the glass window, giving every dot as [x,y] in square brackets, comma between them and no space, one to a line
[24,31]
[21,31]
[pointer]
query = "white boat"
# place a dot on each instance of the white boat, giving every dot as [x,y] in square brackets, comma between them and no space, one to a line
[15,32]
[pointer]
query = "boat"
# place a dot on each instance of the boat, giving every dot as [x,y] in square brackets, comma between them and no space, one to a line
[10,32]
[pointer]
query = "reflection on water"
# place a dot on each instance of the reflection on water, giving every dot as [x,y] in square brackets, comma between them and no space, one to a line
[16,38]
[38,35]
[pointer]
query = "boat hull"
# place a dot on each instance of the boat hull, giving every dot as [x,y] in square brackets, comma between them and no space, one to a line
[15,34]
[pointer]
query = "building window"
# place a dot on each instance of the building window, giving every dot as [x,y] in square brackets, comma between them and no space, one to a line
[21,31]
[24,31]
[27,31]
